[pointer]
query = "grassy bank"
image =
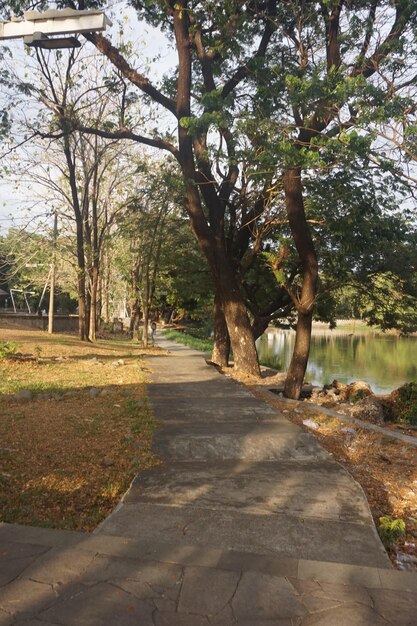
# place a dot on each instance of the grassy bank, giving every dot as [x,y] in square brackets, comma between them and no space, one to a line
[193,338]
[75,427]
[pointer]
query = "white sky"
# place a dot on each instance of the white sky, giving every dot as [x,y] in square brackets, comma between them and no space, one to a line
[14,203]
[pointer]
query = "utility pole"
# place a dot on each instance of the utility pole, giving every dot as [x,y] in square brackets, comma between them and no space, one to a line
[52,272]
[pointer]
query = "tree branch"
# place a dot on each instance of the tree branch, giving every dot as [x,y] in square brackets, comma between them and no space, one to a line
[105,47]
[124,133]
[368,67]
[242,72]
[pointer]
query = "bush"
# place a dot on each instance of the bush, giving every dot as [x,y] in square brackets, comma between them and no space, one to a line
[358,396]
[408,392]
[390,530]
[7,348]
[405,404]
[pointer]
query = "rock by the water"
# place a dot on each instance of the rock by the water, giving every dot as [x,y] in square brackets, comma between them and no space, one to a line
[358,390]
[24,394]
[332,394]
[311,424]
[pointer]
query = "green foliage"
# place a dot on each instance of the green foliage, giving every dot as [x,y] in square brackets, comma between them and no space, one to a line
[390,530]
[405,409]
[366,247]
[291,108]
[358,396]
[189,339]
[7,349]
[156,251]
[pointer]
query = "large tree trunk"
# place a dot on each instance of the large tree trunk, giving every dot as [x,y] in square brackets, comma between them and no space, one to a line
[241,336]
[305,302]
[259,326]
[82,306]
[221,347]
[210,234]
[299,359]
[226,288]
[87,313]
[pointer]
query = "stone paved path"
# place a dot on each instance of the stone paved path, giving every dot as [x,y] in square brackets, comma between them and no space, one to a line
[247,521]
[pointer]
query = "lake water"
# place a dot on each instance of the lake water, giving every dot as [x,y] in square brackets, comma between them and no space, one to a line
[383,361]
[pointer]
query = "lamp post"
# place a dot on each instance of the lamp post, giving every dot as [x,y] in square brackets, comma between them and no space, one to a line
[38,29]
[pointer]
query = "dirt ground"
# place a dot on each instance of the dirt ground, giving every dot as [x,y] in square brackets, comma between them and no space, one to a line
[75,427]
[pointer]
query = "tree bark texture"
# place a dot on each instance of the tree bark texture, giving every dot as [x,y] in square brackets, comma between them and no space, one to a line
[221,347]
[241,336]
[210,236]
[304,302]
[227,289]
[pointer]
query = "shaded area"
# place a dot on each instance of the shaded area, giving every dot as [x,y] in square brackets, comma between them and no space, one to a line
[220,536]
[261,484]
[58,577]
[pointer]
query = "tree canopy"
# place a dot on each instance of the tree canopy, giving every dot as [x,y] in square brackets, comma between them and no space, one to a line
[283,119]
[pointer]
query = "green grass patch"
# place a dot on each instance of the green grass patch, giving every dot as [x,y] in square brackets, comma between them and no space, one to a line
[7,349]
[357,327]
[35,388]
[191,339]
[139,412]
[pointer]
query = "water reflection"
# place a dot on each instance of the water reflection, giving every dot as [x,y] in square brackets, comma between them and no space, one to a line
[384,361]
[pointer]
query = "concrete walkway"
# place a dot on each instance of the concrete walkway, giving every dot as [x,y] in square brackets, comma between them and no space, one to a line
[247,521]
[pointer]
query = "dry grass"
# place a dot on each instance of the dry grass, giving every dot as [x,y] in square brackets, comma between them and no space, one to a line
[66,457]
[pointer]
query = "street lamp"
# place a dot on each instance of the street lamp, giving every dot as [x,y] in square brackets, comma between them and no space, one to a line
[35,27]
[39,40]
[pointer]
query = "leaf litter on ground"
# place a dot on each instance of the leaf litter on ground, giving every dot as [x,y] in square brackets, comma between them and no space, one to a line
[67,455]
